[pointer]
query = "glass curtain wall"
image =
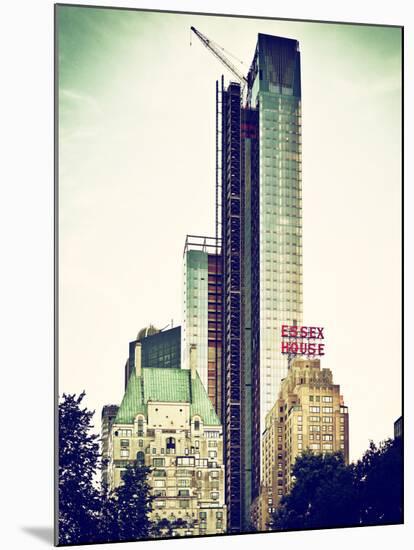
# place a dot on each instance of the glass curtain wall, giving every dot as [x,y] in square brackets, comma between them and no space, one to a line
[276,93]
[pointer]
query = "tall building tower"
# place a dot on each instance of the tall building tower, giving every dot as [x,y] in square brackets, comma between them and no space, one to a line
[108,416]
[259,149]
[309,414]
[160,348]
[202,317]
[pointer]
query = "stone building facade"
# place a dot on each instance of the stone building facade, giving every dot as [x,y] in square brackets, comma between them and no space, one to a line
[309,414]
[167,422]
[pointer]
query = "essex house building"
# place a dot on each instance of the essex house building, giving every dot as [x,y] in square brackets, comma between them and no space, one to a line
[167,422]
[309,414]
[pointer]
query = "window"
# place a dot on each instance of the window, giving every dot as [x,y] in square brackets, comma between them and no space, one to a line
[314,419]
[314,409]
[184,461]
[214,495]
[170,445]
[196,425]
[202,515]
[327,409]
[124,443]
[315,446]
[327,446]
[158,461]
[159,503]
[140,427]
[211,434]
[184,482]
[314,428]
[327,399]
[124,453]
[327,437]
[140,458]
[327,419]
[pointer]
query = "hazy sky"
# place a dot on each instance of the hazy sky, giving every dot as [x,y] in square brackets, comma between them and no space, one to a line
[137,173]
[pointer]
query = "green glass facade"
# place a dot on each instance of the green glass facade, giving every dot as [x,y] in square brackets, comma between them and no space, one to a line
[161,349]
[276,94]
[202,313]
[261,222]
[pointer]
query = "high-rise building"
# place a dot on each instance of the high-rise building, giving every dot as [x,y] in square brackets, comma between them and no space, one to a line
[309,414]
[159,348]
[259,156]
[167,422]
[202,318]
[398,428]
[108,416]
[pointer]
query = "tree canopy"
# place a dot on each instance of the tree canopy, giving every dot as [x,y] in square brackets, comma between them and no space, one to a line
[323,494]
[79,498]
[328,493]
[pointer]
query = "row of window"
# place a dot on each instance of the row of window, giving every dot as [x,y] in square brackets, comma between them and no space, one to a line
[325,398]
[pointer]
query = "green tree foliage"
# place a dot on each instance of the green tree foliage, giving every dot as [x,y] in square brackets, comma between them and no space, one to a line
[323,495]
[79,499]
[86,514]
[379,477]
[169,528]
[125,513]
[328,493]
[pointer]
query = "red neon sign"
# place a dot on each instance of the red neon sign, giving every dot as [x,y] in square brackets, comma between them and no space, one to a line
[302,340]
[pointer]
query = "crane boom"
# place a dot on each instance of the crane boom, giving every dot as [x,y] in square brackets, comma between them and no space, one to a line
[215,49]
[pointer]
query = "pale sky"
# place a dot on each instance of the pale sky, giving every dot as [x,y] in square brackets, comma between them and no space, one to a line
[137,173]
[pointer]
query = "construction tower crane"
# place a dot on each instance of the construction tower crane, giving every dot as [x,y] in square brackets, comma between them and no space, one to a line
[217,51]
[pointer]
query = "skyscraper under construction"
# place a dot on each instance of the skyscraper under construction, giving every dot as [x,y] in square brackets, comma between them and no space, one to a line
[260,221]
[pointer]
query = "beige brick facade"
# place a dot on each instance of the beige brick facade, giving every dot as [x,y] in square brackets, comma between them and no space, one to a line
[309,414]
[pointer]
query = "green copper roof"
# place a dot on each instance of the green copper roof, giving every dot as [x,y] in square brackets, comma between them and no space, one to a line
[164,384]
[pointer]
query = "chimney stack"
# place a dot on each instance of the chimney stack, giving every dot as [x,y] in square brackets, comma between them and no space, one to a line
[138,367]
[193,361]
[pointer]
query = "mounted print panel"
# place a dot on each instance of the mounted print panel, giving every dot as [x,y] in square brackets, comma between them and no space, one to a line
[228,275]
